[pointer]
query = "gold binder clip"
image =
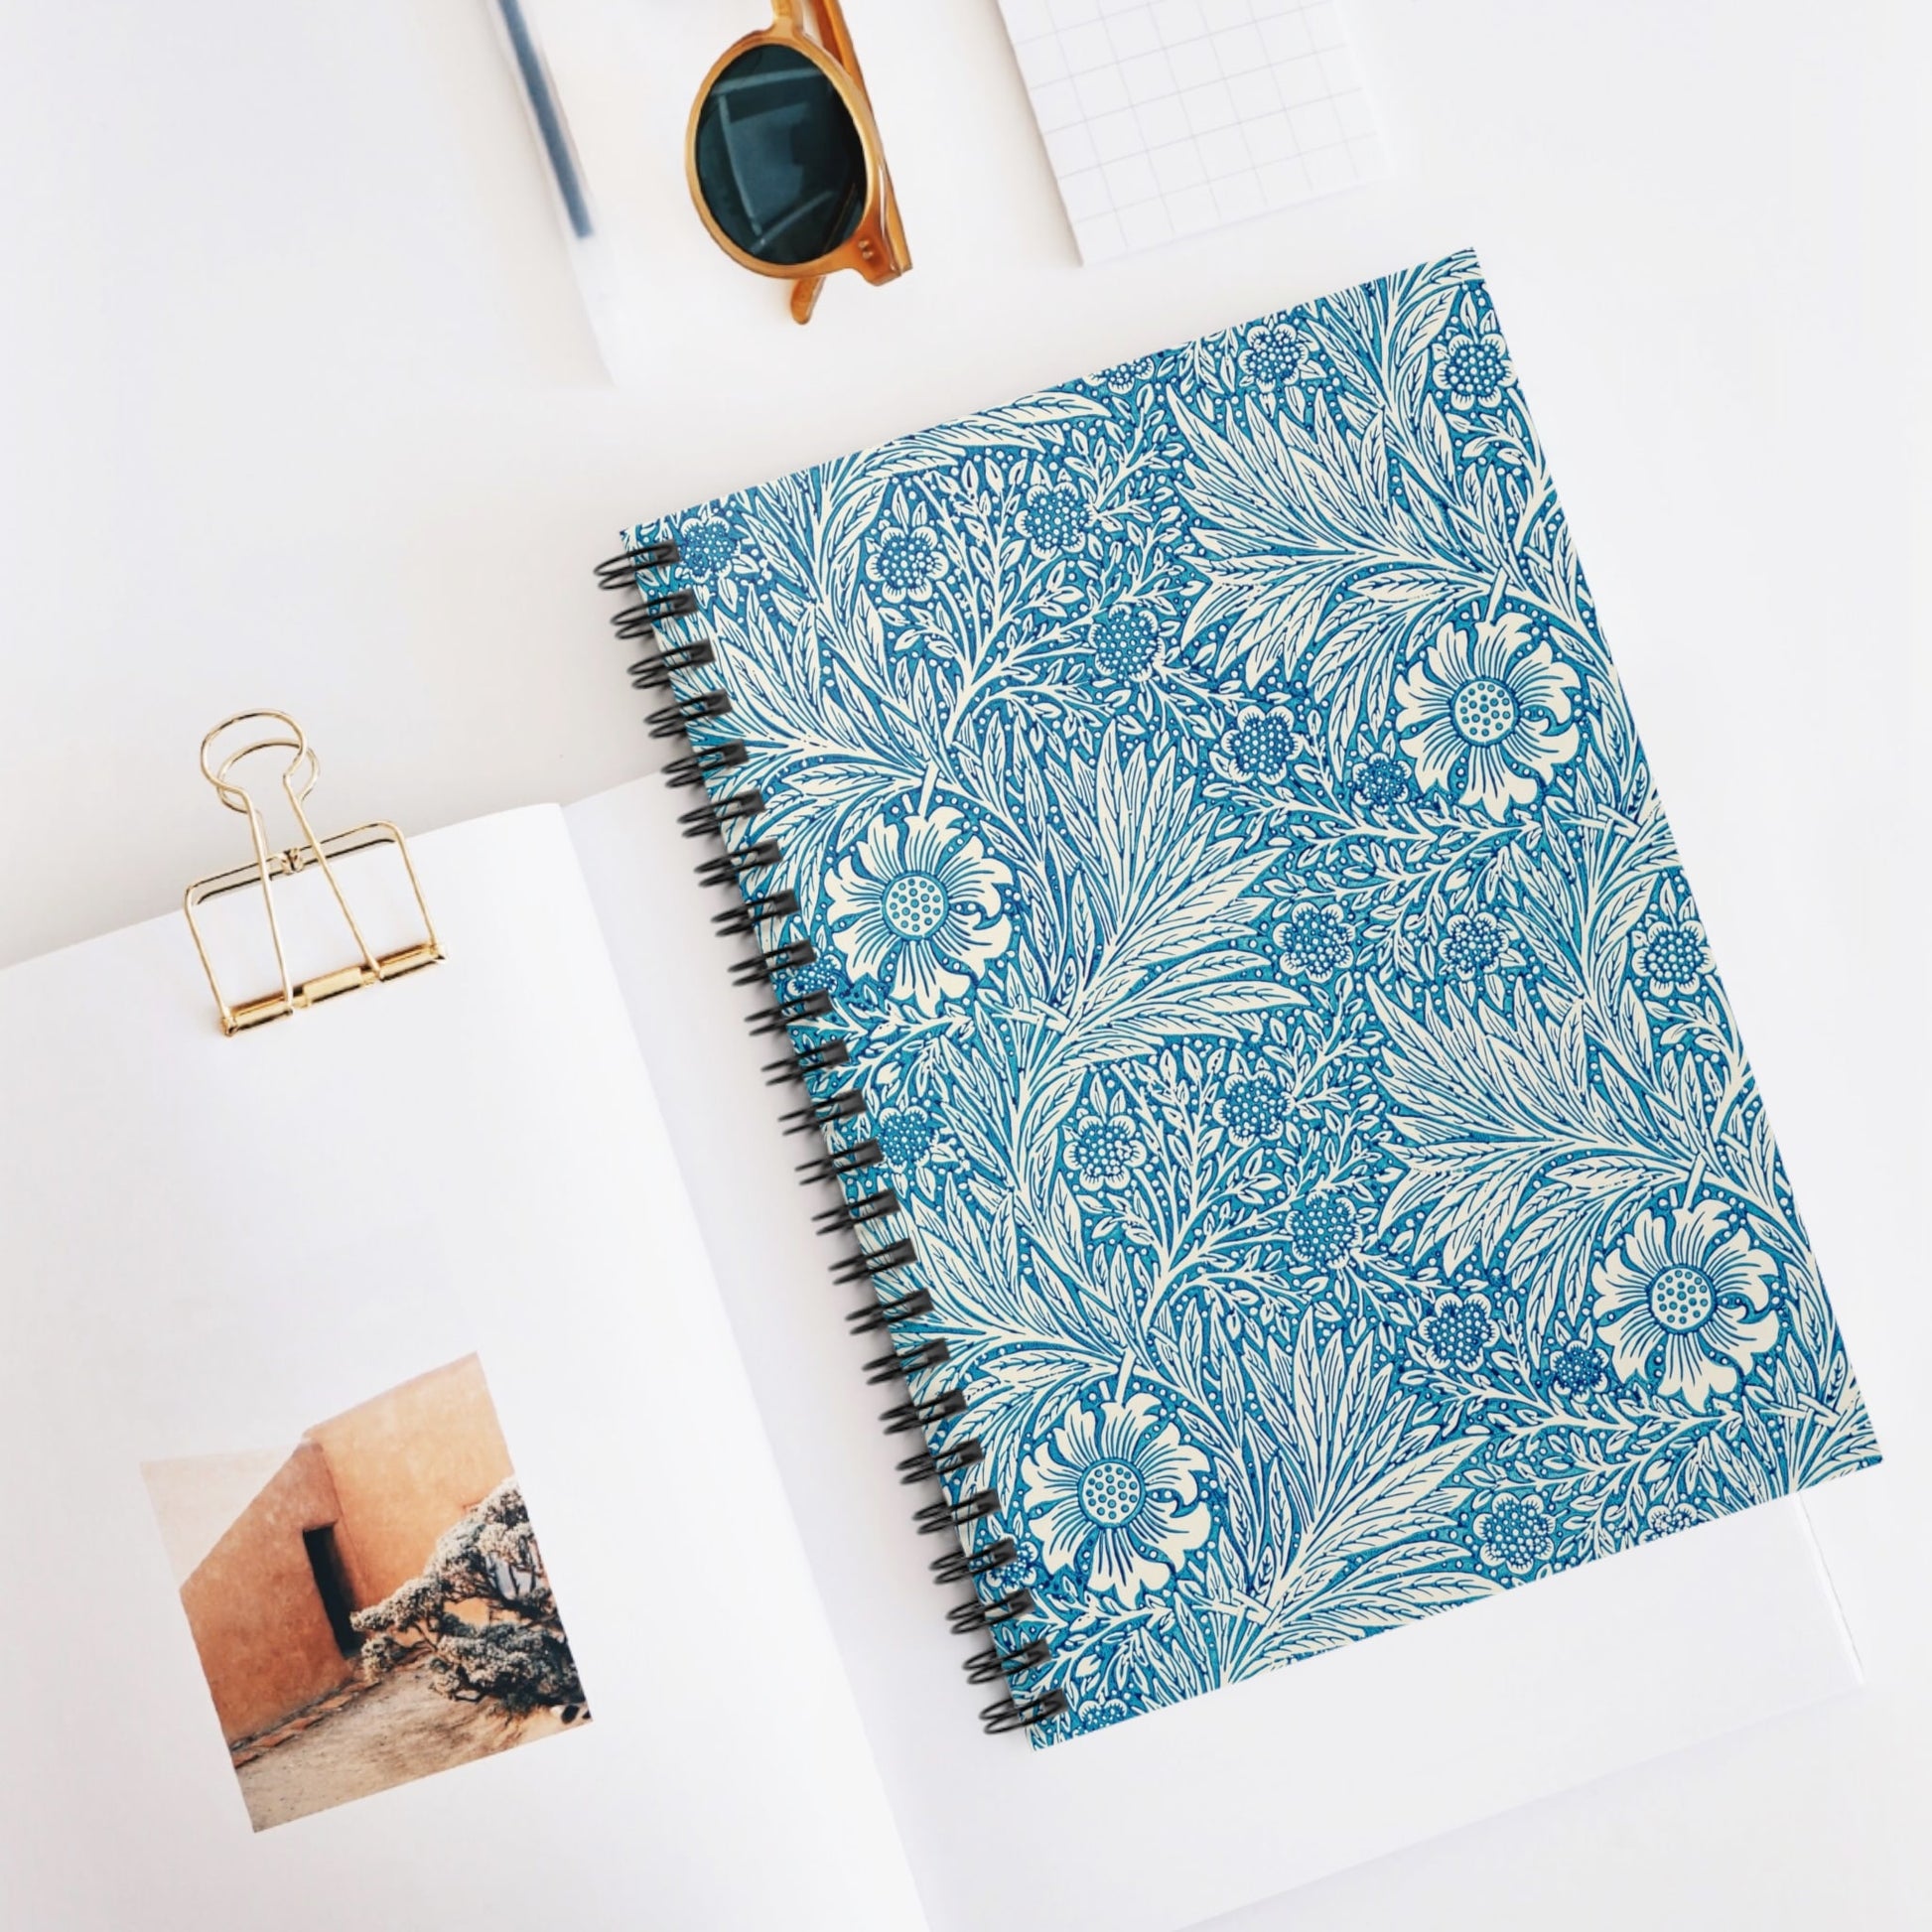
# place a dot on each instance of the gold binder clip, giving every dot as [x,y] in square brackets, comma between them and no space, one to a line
[298,781]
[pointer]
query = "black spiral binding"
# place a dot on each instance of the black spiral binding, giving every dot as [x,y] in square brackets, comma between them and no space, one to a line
[852,1159]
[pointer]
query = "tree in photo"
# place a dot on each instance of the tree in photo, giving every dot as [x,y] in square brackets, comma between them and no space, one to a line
[514,1653]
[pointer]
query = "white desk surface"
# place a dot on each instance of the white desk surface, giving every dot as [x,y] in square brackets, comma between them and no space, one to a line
[298,407]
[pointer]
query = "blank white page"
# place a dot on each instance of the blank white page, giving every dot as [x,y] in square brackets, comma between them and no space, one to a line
[207,1243]
[1203,1805]
[1168,117]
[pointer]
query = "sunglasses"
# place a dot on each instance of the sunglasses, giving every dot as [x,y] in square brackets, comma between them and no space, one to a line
[784,159]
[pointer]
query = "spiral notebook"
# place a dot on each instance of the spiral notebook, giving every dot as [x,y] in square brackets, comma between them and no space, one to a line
[1226,931]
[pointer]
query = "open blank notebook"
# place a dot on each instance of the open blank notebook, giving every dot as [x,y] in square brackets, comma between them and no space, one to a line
[222,1261]
[1167,117]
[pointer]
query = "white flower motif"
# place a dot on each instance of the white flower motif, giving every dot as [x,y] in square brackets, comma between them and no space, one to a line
[922,901]
[905,558]
[1669,954]
[1457,1332]
[1475,953]
[1471,366]
[1055,517]
[1315,940]
[1690,1294]
[1277,355]
[1122,378]
[1482,712]
[1105,1148]
[1106,1491]
[1259,748]
[1254,1108]
[1471,943]
[706,544]
[913,1145]
[1127,640]
[1515,1533]
[1667,1519]
[1323,1228]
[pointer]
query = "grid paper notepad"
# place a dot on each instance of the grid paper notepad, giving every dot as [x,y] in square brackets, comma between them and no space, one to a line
[1167,117]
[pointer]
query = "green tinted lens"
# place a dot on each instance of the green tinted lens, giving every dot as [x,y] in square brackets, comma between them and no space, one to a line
[780,165]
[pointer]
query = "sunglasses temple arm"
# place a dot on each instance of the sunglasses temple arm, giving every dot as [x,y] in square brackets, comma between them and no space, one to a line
[804,296]
[902,256]
[832,31]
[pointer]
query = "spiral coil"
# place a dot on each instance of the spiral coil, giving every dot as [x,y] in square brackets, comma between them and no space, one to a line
[848,1164]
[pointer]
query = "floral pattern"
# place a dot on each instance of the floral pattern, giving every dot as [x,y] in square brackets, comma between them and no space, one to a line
[706,545]
[1472,943]
[1483,711]
[1515,1533]
[1478,953]
[1253,1109]
[1330,1156]
[1689,1302]
[1668,957]
[1260,746]
[1577,1368]
[1106,1495]
[1315,939]
[1277,355]
[1126,642]
[1458,1331]
[1471,364]
[909,1138]
[1321,1230]
[1381,781]
[1055,518]
[1105,1148]
[905,558]
[918,908]
[1666,1519]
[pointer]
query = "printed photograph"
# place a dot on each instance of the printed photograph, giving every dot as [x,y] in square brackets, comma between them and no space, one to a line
[367,1598]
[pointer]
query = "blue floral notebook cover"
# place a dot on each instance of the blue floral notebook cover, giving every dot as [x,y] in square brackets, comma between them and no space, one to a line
[1326,1146]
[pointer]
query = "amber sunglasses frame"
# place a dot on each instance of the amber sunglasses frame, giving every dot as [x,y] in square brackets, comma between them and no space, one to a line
[876,246]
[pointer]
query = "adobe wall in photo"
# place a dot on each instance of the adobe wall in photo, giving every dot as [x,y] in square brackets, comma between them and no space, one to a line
[267,1644]
[353,1512]
[406,1465]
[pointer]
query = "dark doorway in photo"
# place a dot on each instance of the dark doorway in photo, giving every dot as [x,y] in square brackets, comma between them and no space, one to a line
[332,1582]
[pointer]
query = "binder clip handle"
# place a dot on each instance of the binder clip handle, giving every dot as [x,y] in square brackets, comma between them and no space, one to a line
[276,730]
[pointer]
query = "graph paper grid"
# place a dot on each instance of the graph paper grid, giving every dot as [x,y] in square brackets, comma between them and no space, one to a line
[1168,117]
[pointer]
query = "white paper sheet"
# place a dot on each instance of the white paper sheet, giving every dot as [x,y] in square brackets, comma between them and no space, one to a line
[207,1243]
[1193,1810]
[1170,117]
